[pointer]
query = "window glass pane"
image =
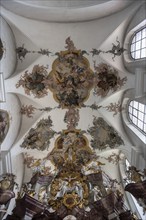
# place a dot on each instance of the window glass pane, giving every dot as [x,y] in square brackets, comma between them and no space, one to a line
[133,40]
[135,104]
[144,33]
[138,45]
[137,54]
[132,47]
[138,36]
[141,107]
[140,124]
[130,116]
[143,43]
[133,55]
[135,120]
[135,112]
[140,116]
[130,109]
[145,118]
[143,53]
[131,104]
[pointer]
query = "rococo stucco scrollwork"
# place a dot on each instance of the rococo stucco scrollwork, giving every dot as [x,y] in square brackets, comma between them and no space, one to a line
[69,179]
[71,78]
[72,118]
[39,137]
[34,82]
[107,79]
[103,135]
[72,145]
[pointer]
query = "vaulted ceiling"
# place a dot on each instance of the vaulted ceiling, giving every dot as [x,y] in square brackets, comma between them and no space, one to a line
[65,78]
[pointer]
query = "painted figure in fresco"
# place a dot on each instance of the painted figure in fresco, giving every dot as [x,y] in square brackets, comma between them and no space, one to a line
[71,77]
[107,80]
[35,81]
[69,97]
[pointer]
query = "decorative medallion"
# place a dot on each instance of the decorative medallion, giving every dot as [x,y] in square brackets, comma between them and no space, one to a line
[103,135]
[34,82]
[71,78]
[39,137]
[107,79]
[71,200]
[4,124]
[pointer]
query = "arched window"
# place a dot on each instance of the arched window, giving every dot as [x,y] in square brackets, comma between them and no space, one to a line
[137,115]
[138,44]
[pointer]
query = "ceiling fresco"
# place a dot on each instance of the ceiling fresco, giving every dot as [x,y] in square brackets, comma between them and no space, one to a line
[71,78]
[34,82]
[103,135]
[69,180]
[68,147]
[39,138]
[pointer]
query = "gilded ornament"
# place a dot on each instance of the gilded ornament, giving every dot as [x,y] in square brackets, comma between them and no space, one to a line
[71,78]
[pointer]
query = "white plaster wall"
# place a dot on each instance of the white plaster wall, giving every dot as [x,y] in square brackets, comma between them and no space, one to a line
[8,62]
[72,11]
[138,17]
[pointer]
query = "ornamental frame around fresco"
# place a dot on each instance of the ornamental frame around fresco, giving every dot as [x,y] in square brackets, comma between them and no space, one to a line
[39,137]
[34,81]
[71,145]
[103,135]
[71,78]
[107,80]
[4,124]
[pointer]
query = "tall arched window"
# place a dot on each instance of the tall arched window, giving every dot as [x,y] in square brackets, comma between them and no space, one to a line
[137,115]
[138,44]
